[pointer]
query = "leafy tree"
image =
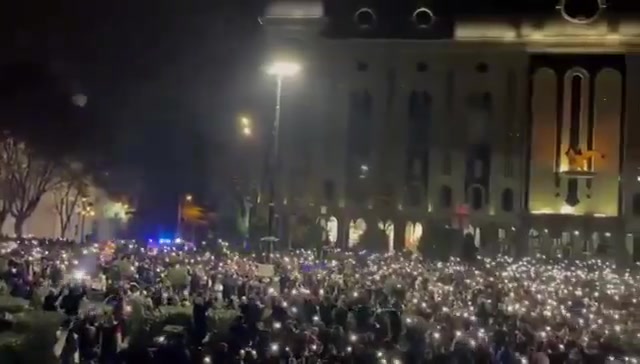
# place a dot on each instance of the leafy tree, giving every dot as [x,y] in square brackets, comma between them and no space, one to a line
[27,177]
[69,193]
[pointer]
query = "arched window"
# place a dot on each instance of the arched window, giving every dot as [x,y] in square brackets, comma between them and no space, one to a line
[356,229]
[636,204]
[446,197]
[475,197]
[332,230]
[507,200]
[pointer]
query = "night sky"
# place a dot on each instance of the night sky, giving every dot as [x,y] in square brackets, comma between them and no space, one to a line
[165,81]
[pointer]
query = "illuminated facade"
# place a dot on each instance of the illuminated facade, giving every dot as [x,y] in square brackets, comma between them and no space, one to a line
[417,120]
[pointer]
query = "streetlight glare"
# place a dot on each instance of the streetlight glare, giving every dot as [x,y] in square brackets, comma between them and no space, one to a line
[245,121]
[188,197]
[284,69]
[246,131]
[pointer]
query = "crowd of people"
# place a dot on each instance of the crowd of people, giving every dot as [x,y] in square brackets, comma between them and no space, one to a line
[348,307]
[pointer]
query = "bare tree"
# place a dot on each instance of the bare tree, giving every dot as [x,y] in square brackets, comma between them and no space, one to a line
[27,177]
[68,194]
[5,198]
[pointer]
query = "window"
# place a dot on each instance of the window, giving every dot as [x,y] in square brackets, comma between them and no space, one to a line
[422,67]
[508,167]
[359,144]
[475,196]
[418,133]
[636,204]
[482,67]
[413,196]
[581,11]
[359,128]
[362,66]
[507,200]
[445,197]
[446,163]
[477,168]
[576,111]
[329,190]
[479,112]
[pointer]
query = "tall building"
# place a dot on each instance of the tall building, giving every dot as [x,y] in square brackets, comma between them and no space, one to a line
[513,120]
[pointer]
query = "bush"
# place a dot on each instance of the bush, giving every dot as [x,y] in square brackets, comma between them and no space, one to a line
[32,339]
[176,315]
[27,322]
[9,347]
[13,305]
[4,289]
[34,333]
[144,325]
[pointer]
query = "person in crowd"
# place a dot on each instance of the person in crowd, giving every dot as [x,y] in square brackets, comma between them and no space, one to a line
[352,308]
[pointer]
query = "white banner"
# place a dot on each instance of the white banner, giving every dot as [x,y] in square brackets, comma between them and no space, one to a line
[265,270]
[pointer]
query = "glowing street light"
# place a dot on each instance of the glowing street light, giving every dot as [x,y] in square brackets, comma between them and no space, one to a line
[188,198]
[245,126]
[283,69]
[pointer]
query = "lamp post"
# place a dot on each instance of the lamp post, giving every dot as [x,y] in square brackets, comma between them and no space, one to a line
[280,70]
[187,198]
[86,209]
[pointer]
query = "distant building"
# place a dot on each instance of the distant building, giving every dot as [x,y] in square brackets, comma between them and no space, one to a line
[102,220]
[418,117]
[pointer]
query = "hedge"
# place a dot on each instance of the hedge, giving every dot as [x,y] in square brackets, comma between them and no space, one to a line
[13,305]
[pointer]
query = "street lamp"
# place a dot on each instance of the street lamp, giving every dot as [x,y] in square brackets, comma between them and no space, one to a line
[86,210]
[281,70]
[187,198]
[245,126]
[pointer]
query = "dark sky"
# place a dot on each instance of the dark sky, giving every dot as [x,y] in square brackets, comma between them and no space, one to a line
[165,80]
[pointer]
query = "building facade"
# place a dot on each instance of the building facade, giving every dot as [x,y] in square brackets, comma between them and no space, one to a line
[417,119]
[100,219]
